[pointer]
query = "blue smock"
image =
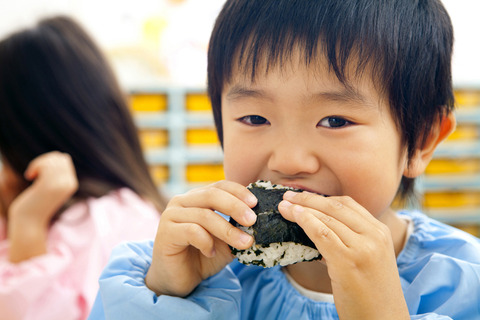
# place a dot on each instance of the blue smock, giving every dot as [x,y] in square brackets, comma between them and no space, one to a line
[439,270]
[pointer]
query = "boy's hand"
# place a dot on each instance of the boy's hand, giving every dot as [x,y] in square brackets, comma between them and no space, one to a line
[29,214]
[191,242]
[359,253]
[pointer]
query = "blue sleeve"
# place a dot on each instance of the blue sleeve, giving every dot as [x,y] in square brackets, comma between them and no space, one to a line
[430,316]
[445,286]
[440,271]
[124,295]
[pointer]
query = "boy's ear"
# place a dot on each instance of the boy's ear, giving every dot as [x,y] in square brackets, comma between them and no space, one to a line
[439,131]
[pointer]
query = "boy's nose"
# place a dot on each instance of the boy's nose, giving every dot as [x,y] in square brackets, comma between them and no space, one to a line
[292,156]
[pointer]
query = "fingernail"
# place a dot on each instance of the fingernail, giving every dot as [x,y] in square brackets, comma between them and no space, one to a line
[284,204]
[288,195]
[250,216]
[245,238]
[251,200]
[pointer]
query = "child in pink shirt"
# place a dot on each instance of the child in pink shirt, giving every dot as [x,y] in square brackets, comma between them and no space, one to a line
[73,180]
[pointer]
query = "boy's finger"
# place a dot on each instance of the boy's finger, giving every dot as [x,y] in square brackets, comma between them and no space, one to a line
[218,200]
[325,239]
[191,234]
[233,188]
[296,213]
[212,222]
[343,209]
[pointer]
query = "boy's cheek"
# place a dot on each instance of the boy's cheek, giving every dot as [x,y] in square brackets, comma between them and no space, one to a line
[239,172]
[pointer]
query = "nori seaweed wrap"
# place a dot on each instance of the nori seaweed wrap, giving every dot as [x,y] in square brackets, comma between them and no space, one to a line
[277,240]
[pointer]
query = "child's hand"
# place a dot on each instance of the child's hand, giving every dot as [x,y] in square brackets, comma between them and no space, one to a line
[54,182]
[359,253]
[191,242]
[29,214]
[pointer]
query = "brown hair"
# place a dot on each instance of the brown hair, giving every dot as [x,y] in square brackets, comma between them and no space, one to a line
[58,92]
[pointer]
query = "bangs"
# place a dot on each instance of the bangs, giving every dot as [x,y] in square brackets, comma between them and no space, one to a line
[270,36]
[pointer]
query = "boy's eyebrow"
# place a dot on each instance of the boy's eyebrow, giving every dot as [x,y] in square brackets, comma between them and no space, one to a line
[346,94]
[238,91]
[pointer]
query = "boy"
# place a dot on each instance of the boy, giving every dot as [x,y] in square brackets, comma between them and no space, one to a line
[341,98]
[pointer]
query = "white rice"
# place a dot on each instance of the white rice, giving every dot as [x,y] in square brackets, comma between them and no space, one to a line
[268,185]
[282,253]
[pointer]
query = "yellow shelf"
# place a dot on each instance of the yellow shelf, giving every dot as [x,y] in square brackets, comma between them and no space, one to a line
[465,132]
[467,98]
[197,102]
[153,138]
[453,166]
[160,174]
[201,136]
[145,102]
[206,173]
[451,199]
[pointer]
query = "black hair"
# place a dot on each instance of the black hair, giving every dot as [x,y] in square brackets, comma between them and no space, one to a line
[58,92]
[405,45]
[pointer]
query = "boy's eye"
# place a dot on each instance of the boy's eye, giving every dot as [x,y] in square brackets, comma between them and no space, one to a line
[254,120]
[333,122]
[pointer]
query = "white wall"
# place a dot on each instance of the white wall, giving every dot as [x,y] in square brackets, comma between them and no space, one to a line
[112,22]
[116,23]
[466,57]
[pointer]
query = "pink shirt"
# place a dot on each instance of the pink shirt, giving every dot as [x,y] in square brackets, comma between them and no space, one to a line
[63,283]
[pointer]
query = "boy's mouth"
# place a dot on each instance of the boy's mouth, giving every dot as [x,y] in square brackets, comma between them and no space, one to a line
[302,187]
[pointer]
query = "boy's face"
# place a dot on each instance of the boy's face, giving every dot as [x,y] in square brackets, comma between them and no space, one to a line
[299,126]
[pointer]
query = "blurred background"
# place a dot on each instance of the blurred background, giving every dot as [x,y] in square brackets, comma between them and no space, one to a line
[158,50]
